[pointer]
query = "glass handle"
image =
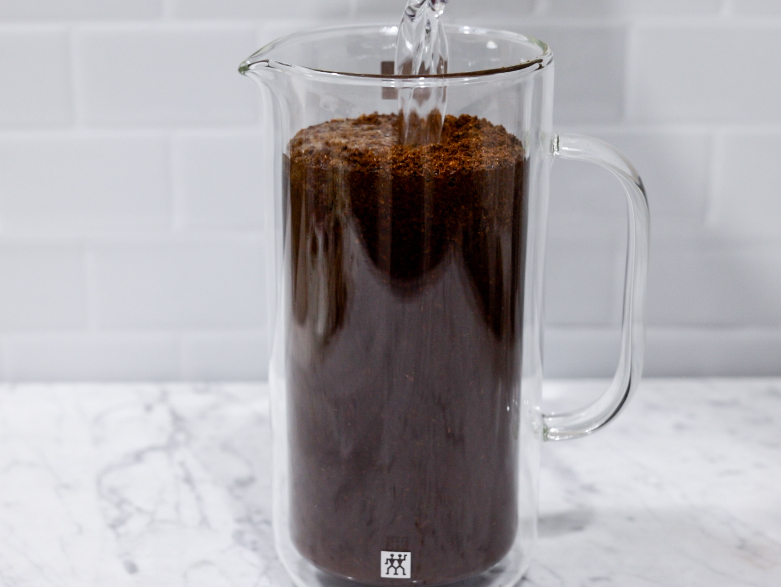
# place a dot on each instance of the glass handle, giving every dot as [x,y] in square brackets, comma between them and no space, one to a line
[630,364]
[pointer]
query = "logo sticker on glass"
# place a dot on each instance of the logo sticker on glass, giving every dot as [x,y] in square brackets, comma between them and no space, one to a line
[396,565]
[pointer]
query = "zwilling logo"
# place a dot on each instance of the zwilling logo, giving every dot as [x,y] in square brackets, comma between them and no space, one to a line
[396,565]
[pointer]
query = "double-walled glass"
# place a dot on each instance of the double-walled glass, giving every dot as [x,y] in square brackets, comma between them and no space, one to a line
[406,367]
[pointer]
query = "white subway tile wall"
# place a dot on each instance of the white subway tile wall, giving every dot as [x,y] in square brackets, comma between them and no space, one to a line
[259,9]
[94,356]
[756,7]
[711,73]
[742,204]
[187,283]
[66,183]
[163,75]
[577,8]
[134,167]
[456,11]
[590,70]
[218,177]
[43,10]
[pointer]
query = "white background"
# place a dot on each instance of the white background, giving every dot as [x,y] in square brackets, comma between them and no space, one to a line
[131,227]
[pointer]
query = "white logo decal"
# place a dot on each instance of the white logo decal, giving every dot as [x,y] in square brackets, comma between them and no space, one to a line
[396,565]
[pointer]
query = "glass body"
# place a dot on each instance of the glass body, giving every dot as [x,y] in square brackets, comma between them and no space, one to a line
[406,367]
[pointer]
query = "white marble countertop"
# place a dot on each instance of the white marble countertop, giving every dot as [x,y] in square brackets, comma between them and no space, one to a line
[167,485]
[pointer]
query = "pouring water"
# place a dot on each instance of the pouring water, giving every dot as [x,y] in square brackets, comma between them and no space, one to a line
[421,49]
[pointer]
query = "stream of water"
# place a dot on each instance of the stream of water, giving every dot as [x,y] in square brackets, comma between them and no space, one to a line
[421,49]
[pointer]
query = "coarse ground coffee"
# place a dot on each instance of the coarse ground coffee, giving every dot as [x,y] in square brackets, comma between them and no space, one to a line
[406,272]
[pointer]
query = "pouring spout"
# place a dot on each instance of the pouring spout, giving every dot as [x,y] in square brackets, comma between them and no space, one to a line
[253,65]
[259,61]
[261,70]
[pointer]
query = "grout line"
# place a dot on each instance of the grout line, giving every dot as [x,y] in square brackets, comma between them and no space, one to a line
[174,183]
[672,127]
[90,277]
[5,361]
[716,19]
[725,328]
[630,77]
[190,333]
[76,106]
[168,23]
[29,26]
[168,11]
[180,358]
[45,234]
[81,130]
[743,329]
[537,16]
[714,174]
[540,7]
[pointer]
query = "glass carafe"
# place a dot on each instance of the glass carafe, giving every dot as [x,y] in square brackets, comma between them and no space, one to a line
[406,368]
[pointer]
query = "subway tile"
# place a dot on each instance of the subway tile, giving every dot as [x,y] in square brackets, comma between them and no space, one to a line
[43,287]
[578,8]
[74,183]
[674,166]
[583,277]
[746,201]
[226,357]
[79,9]
[717,283]
[35,73]
[589,63]
[259,8]
[716,74]
[756,7]
[222,180]
[93,356]
[185,284]
[165,75]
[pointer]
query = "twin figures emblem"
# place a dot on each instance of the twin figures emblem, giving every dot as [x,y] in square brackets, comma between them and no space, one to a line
[396,565]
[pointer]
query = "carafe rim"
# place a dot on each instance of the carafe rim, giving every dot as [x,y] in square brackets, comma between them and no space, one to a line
[264,58]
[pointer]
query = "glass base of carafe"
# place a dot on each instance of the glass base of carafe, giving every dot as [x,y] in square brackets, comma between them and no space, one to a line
[505,573]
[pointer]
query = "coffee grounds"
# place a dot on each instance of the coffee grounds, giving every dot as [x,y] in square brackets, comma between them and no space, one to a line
[406,274]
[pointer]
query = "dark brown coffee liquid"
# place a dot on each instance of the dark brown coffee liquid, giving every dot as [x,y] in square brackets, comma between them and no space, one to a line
[404,346]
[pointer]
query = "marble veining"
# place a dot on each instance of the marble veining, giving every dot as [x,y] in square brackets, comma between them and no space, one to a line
[168,485]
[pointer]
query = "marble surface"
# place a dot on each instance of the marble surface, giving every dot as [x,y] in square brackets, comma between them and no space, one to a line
[168,485]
